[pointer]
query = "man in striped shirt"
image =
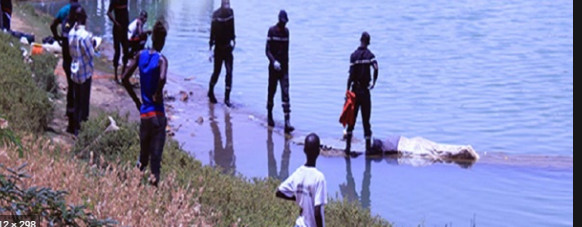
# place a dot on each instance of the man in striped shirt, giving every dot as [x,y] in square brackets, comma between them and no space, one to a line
[359,82]
[81,50]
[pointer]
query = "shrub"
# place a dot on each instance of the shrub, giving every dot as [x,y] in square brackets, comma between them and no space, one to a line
[42,202]
[22,101]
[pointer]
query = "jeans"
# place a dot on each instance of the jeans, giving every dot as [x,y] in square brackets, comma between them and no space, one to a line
[281,77]
[152,139]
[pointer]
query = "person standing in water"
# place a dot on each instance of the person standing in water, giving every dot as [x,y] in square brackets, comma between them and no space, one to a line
[359,82]
[277,51]
[222,37]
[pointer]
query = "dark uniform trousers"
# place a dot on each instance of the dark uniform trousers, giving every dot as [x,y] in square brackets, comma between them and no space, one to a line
[222,54]
[363,102]
[281,77]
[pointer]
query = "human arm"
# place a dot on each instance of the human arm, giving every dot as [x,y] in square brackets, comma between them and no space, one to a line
[110,14]
[268,48]
[280,194]
[375,66]
[320,199]
[319,215]
[232,30]
[54,26]
[286,189]
[127,85]
[212,40]
[158,95]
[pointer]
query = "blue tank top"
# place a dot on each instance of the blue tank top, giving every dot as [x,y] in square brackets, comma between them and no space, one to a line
[149,71]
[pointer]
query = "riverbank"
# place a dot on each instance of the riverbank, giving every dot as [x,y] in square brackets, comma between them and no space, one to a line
[193,193]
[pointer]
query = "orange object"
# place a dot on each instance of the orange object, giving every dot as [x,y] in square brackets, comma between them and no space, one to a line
[36,49]
[347,117]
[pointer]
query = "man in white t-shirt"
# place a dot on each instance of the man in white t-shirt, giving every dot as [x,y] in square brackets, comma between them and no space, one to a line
[307,187]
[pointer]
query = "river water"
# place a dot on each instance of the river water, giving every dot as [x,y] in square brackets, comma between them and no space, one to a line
[496,75]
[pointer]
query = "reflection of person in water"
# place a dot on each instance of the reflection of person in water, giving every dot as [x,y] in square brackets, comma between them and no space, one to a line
[348,189]
[284,172]
[223,156]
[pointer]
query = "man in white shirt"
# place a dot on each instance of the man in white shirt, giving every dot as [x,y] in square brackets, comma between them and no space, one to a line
[307,187]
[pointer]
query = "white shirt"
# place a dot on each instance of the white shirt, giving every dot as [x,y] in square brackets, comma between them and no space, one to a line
[308,186]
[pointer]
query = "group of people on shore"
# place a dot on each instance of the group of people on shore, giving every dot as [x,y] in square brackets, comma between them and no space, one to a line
[306,186]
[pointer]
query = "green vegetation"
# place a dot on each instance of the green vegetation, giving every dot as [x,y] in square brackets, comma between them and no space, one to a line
[225,199]
[24,99]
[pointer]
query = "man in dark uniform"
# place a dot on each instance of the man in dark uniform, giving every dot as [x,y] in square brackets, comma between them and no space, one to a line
[277,51]
[223,38]
[359,82]
[6,10]
[66,17]
[120,24]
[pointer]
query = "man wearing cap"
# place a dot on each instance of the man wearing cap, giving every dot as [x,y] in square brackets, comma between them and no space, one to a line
[359,81]
[277,51]
[222,37]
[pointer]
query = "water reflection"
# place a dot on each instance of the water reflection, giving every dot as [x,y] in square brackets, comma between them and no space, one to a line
[222,156]
[348,189]
[284,172]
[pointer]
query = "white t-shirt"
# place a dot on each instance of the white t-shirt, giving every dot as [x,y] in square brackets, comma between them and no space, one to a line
[308,186]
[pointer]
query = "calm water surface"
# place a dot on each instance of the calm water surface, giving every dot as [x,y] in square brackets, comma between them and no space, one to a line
[496,75]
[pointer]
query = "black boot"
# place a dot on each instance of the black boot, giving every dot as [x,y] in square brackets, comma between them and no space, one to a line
[369,150]
[348,149]
[210,94]
[227,98]
[270,120]
[288,127]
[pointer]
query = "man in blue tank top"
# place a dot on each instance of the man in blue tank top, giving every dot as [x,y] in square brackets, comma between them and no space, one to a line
[153,67]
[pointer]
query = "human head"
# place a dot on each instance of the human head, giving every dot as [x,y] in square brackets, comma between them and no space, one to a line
[377,146]
[225,4]
[159,35]
[283,19]
[365,39]
[143,15]
[81,16]
[312,146]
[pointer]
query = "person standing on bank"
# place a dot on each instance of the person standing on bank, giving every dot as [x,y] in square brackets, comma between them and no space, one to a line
[66,18]
[307,187]
[119,15]
[277,51]
[82,53]
[359,82]
[222,37]
[153,67]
